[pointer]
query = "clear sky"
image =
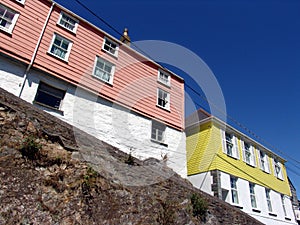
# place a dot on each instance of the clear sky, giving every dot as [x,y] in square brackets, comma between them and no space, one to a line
[251,46]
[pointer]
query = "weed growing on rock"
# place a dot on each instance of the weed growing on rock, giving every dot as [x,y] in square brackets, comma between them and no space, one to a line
[30,148]
[200,206]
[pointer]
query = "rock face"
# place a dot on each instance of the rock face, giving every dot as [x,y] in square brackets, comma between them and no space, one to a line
[53,173]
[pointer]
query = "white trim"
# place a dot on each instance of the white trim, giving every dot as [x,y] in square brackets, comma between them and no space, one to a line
[70,43]
[113,67]
[168,83]
[168,99]
[75,25]
[21,1]
[13,22]
[113,42]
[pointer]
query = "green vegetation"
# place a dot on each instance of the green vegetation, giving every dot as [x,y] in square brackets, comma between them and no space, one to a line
[30,148]
[200,206]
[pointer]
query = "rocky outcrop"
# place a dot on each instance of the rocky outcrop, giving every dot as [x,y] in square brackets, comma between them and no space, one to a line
[53,173]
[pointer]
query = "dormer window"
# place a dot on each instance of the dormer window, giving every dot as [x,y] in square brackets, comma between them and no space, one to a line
[164,77]
[110,46]
[230,146]
[278,169]
[68,22]
[248,153]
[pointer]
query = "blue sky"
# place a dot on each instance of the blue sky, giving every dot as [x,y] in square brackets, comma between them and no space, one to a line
[252,47]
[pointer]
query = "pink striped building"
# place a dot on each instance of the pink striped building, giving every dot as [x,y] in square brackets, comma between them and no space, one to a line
[74,70]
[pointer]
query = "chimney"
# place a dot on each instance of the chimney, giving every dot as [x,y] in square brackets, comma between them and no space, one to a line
[125,38]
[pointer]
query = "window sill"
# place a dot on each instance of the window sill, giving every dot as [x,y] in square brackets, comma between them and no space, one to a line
[48,107]
[237,206]
[272,214]
[162,83]
[103,81]
[256,210]
[8,32]
[160,143]
[109,53]
[287,218]
[61,59]
[70,31]
[231,156]
[21,2]
[168,110]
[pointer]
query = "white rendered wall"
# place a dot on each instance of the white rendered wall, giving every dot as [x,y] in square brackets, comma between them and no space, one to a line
[202,181]
[118,126]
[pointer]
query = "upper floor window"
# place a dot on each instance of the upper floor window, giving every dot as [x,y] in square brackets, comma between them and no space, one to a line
[110,46]
[68,22]
[263,161]
[283,204]
[278,169]
[49,96]
[163,99]
[234,190]
[21,1]
[248,153]
[268,197]
[252,195]
[158,131]
[8,18]
[104,70]
[60,47]
[164,77]
[230,146]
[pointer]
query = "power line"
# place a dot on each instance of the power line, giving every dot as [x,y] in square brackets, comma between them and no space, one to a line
[196,92]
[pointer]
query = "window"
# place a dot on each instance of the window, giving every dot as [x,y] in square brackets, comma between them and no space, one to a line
[263,161]
[110,46]
[234,192]
[163,99]
[164,77]
[104,70]
[283,205]
[60,47]
[158,131]
[248,153]
[8,18]
[230,146]
[68,22]
[278,169]
[49,96]
[21,1]
[252,195]
[268,200]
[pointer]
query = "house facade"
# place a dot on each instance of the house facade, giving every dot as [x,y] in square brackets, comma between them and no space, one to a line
[72,69]
[228,164]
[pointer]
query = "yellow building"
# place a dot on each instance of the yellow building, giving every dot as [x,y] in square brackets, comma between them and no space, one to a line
[226,163]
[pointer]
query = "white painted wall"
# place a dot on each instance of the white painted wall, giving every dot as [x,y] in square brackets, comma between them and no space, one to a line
[202,181]
[118,126]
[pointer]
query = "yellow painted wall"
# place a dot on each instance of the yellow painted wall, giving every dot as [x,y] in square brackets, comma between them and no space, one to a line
[204,153]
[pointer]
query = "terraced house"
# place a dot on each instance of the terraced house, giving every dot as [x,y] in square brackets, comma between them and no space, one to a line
[72,69]
[226,163]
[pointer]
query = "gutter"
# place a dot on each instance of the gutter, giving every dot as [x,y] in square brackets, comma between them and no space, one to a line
[36,49]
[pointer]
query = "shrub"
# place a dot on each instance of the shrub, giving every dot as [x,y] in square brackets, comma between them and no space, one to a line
[199,206]
[30,149]
[130,160]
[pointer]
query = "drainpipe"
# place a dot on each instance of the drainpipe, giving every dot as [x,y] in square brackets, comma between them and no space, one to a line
[36,49]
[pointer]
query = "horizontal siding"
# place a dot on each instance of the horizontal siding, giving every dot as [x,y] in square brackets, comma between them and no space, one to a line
[210,142]
[134,85]
[27,29]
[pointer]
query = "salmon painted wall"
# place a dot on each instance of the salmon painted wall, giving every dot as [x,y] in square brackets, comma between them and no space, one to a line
[135,79]
[21,43]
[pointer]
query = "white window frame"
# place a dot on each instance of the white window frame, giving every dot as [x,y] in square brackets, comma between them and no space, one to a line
[248,149]
[277,166]
[232,141]
[21,1]
[106,42]
[283,204]
[71,17]
[252,195]
[234,190]
[268,198]
[13,21]
[263,160]
[158,130]
[105,63]
[160,94]
[161,77]
[70,43]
